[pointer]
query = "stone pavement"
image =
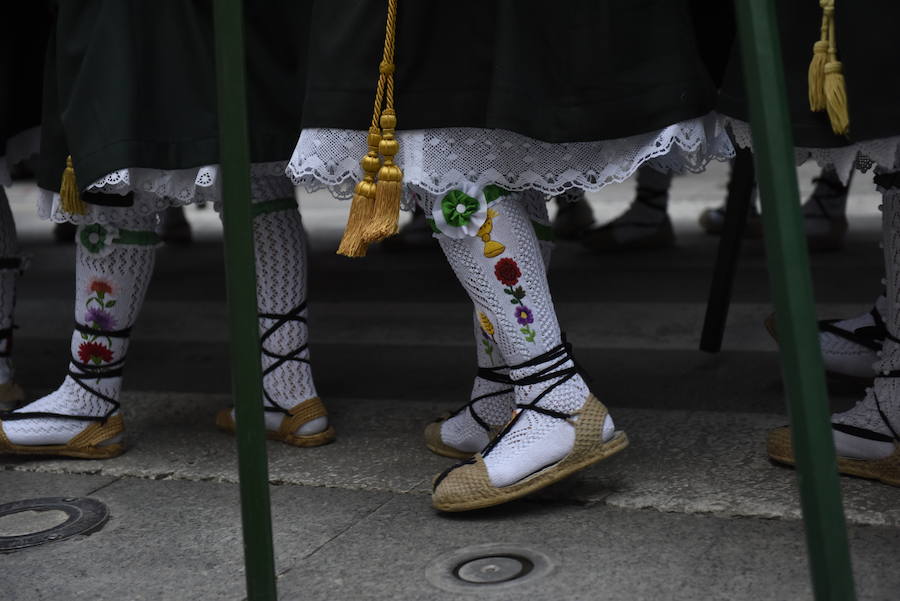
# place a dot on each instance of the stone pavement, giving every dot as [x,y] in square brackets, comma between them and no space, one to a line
[692,510]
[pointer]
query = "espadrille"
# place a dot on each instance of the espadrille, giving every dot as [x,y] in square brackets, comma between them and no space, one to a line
[887,470]
[11,395]
[100,439]
[293,419]
[436,444]
[433,438]
[467,486]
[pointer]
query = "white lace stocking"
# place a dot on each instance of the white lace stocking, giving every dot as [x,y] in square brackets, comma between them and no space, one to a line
[512,287]
[879,411]
[10,265]
[495,406]
[112,271]
[280,245]
[847,357]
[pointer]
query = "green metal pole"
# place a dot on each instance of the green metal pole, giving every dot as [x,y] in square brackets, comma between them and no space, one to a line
[241,284]
[820,493]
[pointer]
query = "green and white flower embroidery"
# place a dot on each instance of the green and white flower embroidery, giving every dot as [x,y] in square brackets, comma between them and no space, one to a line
[98,239]
[461,213]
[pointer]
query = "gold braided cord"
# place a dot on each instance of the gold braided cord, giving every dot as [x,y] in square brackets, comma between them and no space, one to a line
[376,200]
[827,88]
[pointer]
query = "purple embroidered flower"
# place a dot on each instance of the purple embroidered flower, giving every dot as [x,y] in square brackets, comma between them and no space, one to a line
[523,315]
[101,319]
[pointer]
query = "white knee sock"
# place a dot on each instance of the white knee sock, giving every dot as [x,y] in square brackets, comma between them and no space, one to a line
[113,265]
[280,244]
[869,429]
[512,287]
[492,402]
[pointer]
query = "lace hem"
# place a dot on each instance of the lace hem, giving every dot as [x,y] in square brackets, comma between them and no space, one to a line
[439,160]
[881,152]
[156,190]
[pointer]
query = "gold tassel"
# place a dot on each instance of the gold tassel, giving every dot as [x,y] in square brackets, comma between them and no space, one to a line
[835,87]
[353,242]
[816,76]
[376,200]
[69,198]
[389,188]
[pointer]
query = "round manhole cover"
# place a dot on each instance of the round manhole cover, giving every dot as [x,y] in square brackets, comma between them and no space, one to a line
[493,569]
[33,522]
[486,567]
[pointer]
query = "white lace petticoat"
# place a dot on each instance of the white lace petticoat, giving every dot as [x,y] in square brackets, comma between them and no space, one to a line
[880,152]
[156,190]
[439,160]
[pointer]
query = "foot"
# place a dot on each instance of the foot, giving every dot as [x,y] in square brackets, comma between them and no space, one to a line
[471,427]
[303,425]
[865,437]
[69,422]
[574,216]
[850,347]
[641,227]
[558,429]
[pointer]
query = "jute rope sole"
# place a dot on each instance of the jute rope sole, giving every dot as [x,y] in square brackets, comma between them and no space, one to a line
[298,415]
[88,444]
[436,445]
[468,486]
[887,471]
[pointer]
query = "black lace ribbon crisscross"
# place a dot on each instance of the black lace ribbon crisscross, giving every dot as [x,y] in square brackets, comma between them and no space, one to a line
[81,374]
[872,337]
[491,374]
[869,434]
[557,357]
[281,319]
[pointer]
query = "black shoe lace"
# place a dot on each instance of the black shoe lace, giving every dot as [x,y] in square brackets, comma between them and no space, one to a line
[557,356]
[281,319]
[85,373]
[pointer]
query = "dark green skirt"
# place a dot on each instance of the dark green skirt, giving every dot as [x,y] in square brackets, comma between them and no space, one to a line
[867,47]
[567,71]
[26,26]
[133,84]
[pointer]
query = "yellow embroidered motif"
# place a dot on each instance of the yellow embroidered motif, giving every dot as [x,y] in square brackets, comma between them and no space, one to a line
[492,248]
[486,324]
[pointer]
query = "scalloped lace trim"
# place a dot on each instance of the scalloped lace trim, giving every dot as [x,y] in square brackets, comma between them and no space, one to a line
[157,189]
[438,160]
[881,152]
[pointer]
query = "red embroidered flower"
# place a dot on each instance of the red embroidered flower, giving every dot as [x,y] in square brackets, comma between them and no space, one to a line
[101,286]
[507,272]
[94,352]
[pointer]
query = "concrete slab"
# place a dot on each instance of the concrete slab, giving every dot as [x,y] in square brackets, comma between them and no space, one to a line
[177,540]
[679,461]
[17,485]
[598,553]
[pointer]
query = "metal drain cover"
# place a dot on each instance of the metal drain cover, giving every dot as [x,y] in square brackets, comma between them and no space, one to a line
[492,566]
[34,522]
